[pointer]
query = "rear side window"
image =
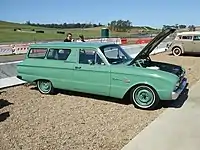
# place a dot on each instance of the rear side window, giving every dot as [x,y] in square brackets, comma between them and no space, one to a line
[37,53]
[58,54]
[187,37]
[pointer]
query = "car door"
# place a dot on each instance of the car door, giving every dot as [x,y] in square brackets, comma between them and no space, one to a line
[60,67]
[187,43]
[196,43]
[91,74]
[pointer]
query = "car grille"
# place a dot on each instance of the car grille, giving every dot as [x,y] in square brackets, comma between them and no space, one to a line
[181,78]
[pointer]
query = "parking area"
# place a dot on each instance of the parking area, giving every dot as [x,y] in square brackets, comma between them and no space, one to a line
[69,120]
[10,58]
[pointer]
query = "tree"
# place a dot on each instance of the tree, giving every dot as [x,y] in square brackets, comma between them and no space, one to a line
[120,25]
[181,26]
[28,22]
[191,28]
[65,25]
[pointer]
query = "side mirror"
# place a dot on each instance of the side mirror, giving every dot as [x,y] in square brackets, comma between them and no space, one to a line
[91,62]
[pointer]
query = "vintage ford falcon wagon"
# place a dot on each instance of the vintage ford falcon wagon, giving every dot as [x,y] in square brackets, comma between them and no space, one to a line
[103,69]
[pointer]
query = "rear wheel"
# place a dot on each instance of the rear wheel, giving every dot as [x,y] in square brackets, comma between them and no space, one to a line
[176,51]
[45,87]
[144,97]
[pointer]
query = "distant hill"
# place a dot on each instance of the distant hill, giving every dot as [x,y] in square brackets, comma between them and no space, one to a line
[5,24]
[16,32]
[12,25]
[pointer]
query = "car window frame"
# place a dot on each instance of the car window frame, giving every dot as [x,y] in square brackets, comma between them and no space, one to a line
[59,49]
[29,51]
[96,54]
[101,49]
[196,35]
[187,39]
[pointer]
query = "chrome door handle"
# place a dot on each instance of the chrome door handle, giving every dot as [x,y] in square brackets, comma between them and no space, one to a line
[115,79]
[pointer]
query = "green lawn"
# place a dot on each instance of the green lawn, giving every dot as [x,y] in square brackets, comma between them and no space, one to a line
[7,33]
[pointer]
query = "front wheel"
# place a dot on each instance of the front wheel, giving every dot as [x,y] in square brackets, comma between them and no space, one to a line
[45,87]
[177,51]
[144,97]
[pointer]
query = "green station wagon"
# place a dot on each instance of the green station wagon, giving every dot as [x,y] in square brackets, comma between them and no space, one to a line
[103,69]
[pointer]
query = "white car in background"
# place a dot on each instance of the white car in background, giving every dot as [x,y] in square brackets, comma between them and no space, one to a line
[185,42]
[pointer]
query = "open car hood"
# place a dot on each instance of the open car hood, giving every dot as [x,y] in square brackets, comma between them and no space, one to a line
[145,52]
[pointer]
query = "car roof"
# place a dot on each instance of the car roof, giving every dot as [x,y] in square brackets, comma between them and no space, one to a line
[189,33]
[70,44]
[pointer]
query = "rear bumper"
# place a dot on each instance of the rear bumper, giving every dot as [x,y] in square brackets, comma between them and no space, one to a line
[175,94]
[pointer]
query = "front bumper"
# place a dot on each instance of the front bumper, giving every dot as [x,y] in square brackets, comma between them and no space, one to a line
[175,94]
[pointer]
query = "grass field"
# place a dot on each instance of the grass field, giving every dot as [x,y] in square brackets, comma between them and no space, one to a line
[7,33]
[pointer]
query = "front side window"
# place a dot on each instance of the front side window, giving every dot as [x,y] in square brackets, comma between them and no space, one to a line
[89,57]
[58,54]
[37,53]
[115,54]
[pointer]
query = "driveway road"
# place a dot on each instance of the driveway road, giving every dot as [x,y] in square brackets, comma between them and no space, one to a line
[175,129]
[10,58]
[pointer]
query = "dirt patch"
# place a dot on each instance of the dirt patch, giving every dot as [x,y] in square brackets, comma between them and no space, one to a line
[68,122]
[75,122]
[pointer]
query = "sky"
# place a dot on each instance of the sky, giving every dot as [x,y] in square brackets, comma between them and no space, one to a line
[153,13]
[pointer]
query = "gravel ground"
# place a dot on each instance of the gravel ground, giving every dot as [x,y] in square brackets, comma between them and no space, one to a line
[71,121]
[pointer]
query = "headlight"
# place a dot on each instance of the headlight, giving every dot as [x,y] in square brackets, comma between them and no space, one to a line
[177,85]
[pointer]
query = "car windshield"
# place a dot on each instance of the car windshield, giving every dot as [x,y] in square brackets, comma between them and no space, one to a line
[115,54]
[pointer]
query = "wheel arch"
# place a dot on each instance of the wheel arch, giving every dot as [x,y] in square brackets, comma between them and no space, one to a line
[35,81]
[127,93]
[52,89]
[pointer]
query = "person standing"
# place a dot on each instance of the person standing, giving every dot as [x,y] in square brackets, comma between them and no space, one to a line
[81,38]
[68,38]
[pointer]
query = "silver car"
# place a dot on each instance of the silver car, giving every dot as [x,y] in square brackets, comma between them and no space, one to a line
[185,42]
